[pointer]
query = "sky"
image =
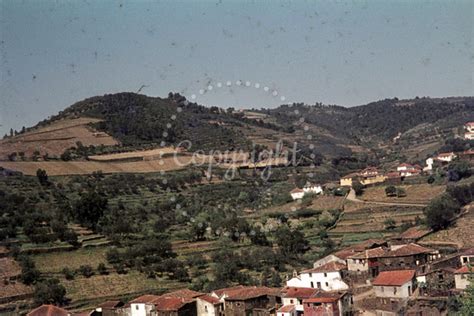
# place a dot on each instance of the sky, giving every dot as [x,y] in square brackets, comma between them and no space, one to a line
[230,53]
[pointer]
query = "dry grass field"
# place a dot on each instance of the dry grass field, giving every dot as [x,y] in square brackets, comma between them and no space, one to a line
[420,193]
[150,154]
[60,168]
[460,233]
[55,138]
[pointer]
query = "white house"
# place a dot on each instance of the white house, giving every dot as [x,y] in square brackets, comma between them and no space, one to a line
[394,284]
[327,259]
[469,127]
[294,296]
[446,157]
[429,164]
[143,305]
[461,277]
[209,305]
[313,188]
[407,170]
[297,193]
[327,277]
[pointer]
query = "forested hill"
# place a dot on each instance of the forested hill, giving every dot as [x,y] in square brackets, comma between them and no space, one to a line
[136,119]
[382,120]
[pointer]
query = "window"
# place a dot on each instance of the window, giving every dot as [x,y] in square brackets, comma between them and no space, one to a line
[291,301]
[318,285]
[137,307]
[394,290]
[381,289]
[327,284]
[205,308]
[312,284]
[310,275]
[325,275]
[464,259]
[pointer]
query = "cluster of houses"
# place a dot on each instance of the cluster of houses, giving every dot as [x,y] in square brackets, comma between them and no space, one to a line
[396,277]
[469,130]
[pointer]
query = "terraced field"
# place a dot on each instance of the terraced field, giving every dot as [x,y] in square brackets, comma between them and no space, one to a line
[368,222]
[420,193]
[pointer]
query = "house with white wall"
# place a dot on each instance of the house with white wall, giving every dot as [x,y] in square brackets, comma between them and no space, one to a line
[327,277]
[209,306]
[461,277]
[297,193]
[394,284]
[446,157]
[408,170]
[294,296]
[287,310]
[469,128]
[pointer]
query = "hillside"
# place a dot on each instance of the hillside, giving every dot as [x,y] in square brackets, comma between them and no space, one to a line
[344,138]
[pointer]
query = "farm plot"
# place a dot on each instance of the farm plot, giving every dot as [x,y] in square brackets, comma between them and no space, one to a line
[368,222]
[150,154]
[55,138]
[420,193]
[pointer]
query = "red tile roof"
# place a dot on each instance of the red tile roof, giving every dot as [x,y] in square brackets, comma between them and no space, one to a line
[321,300]
[168,303]
[251,292]
[183,293]
[148,298]
[462,270]
[397,251]
[394,278]
[224,291]
[48,310]
[468,252]
[328,267]
[287,309]
[359,247]
[298,292]
[414,233]
[210,299]
[296,190]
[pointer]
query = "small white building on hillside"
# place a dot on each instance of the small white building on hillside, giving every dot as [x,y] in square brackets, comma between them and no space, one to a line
[394,284]
[446,157]
[298,193]
[327,277]
[461,278]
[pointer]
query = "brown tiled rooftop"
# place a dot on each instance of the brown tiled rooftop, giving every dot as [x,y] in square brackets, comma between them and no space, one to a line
[394,278]
[210,299]
[464,269]
[48,310]
[298,292]
[328,267]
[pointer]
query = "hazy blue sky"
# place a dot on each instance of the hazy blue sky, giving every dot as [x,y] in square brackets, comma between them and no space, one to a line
[54,53]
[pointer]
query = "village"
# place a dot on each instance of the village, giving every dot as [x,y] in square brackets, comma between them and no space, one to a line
[386,277]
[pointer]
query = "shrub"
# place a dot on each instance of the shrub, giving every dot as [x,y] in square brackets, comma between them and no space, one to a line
[68,274]
[86,270]
[102,269]
[49,291]
[441,211]
[390,190]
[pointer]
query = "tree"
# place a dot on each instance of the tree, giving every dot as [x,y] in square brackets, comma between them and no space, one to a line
[86,270]
[458,169]
[401,192]
[290,242]
[29,273]
[90,208]
[358,187]
[68,274]
[390,190]
[441,211]
[49,291]
[102,269]
[42,176]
